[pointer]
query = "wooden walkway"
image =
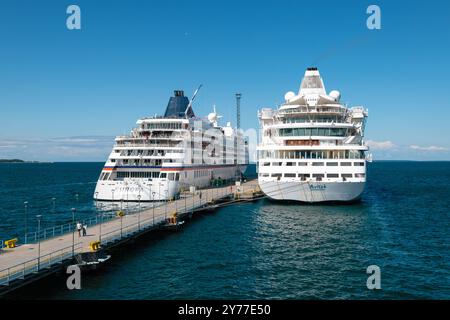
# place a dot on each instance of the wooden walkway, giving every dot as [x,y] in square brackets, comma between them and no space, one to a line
[22,261]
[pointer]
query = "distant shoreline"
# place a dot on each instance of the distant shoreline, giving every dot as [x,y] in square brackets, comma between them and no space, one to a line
[19,161]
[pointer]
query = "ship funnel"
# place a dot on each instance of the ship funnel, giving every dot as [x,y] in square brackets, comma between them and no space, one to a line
[312,83]
[177,106]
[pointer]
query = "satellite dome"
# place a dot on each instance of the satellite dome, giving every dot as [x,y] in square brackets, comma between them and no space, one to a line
[336,95]
[212,117]
[289,95]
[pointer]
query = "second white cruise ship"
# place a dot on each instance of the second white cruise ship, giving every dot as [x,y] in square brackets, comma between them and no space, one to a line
[165,154]
[312,147]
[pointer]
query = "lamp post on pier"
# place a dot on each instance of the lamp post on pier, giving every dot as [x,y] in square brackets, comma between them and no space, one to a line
[73,231]
[101,221]
[121,224]
[153,205]
[53,205]
[176,204]
[139,211]
[165,206]
[39,241]
[26,220]
[128,188]
[112,193]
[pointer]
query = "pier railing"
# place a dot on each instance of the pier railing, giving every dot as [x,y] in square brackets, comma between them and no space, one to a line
[48,260]
[21,270]
[60,230]
[33,237]
[125,230]
[130,229]
[150,222]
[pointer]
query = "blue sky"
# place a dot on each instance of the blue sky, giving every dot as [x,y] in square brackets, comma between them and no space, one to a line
[65,94]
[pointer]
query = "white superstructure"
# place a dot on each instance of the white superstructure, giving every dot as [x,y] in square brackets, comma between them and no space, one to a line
[312,147]
[166,154]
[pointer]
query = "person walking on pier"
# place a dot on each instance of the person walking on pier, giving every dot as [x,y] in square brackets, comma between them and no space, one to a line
[84,230]
[79,228]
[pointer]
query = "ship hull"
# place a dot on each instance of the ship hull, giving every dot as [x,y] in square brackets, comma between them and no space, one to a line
[313,192]
[134,190]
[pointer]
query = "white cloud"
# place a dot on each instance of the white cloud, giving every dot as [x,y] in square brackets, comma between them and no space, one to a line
[388,150]
[83,148]
[429,148]
[380,145]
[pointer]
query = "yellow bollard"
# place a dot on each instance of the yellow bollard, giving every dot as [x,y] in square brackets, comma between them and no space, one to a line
[120,213]
[95,245]
[11,243]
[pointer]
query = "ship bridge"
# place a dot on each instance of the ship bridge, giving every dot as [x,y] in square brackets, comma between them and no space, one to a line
[311,93]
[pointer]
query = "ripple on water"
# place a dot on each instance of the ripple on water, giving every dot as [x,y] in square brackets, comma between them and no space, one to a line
[270,250]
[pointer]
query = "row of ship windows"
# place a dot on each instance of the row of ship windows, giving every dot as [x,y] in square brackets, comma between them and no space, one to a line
[171,176]
[332,132]
[136,162]
[316,119]
[200,173]
[314,175]
[148,175]
[319,154]
[137,174]
[147,152]
[159,162]
[314,164]
[166,125]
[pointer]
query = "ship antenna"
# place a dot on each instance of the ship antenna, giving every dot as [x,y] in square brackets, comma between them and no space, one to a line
[238,110]
[189,106]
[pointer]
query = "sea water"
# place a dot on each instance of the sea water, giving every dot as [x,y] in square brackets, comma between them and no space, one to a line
[258,250]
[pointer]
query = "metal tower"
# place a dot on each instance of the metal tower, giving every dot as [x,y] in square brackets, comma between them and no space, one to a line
[238,110]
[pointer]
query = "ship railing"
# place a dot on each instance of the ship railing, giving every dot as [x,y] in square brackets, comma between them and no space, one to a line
[308,121]
[148,154]
[150,145]
[312,110]
[21,270]
[174,133]
[50,232]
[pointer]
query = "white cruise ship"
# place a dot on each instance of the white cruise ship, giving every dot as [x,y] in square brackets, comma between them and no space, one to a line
[167,154]
[312,148]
